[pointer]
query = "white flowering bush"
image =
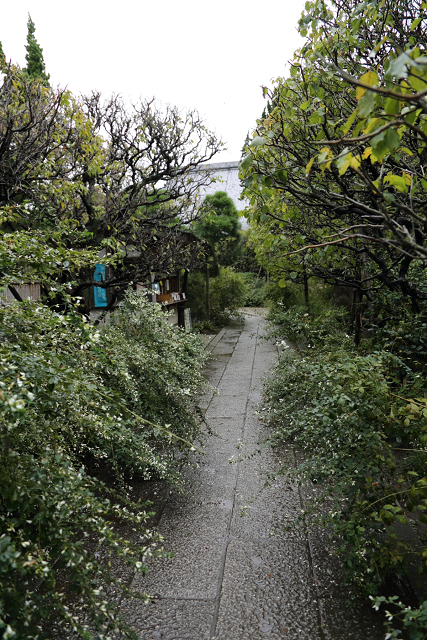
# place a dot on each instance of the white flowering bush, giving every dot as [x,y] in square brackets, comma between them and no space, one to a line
[78,403]
[357,433]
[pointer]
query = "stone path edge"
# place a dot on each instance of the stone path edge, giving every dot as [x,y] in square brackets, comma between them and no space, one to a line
[215,339]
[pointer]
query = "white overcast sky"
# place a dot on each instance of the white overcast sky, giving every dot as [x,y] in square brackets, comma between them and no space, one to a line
[213,57]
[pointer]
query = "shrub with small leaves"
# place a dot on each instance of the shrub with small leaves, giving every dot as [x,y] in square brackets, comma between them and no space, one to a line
[78,403]
[354,428]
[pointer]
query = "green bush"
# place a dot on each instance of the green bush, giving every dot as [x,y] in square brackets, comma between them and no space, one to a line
[228,292]
[349,419]
[308,331]
[292,295]
[78,403]
[256,290]
[227,295]
[414,621]
[401,331]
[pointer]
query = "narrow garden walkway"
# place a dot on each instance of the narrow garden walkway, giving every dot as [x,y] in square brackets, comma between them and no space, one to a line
[234,576]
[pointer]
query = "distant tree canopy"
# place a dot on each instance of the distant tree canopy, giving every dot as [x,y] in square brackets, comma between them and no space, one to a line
[88,180]
[219,226]
[35,62]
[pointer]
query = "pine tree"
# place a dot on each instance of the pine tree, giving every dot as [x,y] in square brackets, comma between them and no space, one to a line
[35,64]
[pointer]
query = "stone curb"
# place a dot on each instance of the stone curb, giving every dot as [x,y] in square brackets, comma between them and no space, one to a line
[210,346]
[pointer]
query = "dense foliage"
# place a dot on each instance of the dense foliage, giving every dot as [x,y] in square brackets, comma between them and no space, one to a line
[92,174]
[219,226]
[83,411]
[257,290]
[335,171]
[360,436]
[80,404]
[227,292]
[34,57]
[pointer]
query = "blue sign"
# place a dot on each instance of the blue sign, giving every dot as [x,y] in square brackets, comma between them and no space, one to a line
[99,294]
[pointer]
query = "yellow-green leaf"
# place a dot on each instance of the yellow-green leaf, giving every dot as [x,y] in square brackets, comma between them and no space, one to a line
[370,78]
[343,163]
[308,167]
[355,163]
[398,182]
[349,122]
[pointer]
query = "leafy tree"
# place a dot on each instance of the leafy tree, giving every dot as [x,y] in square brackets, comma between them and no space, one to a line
[335,175]
[35,63]
[115,181]
[346,207]
[219,227]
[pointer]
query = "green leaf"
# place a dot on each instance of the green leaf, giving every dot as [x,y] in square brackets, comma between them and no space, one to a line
[398,182]
[343,162]
[366,104]
[258,141]
[392,106]
[246,162]
[384,143]
[349,122]
[389,197]
[415,23]
[397,68]
[412,115]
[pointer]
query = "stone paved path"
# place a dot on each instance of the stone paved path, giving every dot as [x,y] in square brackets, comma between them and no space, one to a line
[231,579]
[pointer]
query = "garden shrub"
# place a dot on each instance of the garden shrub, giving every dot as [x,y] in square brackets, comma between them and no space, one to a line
[292,295]
[350,421]
[307,330]
[401,331]
[228,292]
[256,290]
[77,404]
[227,295]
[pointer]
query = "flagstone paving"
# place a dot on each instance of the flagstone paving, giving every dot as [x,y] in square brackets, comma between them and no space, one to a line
[234,576]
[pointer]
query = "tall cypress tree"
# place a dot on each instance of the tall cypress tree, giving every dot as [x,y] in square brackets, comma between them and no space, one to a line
[2,57]
[35,64]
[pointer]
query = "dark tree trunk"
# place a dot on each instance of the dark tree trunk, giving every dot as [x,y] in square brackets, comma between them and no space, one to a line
[185,282]
[306,289]
[358,319]
[208,302]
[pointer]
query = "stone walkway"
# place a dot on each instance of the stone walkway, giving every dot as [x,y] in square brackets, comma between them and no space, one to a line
[233,576]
